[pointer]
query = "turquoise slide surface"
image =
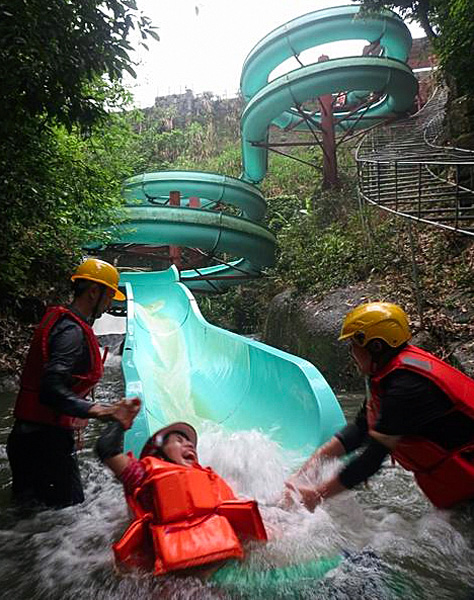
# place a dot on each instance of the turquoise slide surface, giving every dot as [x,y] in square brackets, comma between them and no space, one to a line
[181,366]
[184,368]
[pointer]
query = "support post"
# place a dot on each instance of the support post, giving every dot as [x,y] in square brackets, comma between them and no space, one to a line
[194,202]
[330,178]
[175,251]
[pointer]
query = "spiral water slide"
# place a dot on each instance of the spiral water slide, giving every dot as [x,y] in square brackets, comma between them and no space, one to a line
[181,366]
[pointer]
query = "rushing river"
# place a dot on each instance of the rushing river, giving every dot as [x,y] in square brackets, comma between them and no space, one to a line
[394,543]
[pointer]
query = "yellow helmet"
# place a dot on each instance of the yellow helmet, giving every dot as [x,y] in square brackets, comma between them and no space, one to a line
[99,271]
[381,320]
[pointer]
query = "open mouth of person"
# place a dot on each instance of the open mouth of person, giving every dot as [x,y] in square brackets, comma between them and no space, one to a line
[189,455]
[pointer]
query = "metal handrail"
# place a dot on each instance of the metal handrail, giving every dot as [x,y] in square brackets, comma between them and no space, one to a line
[397,171]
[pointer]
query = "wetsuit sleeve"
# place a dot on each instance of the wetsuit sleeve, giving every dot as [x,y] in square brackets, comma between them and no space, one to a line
[355,434]
[66,352]
[110,442]
[408,402]
[363,466]
[368,462]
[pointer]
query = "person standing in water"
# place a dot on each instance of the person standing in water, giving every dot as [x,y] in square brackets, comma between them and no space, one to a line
[420,410]
[63,365]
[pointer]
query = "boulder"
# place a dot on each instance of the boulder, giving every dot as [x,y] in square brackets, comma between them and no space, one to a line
[310,327]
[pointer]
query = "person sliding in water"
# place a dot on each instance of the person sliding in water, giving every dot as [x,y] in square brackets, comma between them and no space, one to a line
[184,515]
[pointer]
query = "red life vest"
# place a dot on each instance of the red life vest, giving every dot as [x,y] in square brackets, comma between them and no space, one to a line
[185,517]
[28,407]
[445,476]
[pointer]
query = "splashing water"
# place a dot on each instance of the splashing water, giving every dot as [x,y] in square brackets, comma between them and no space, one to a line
[393,543]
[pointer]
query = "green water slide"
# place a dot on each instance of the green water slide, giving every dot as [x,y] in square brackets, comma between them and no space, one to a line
[275,102]
[152,221]
[182,366]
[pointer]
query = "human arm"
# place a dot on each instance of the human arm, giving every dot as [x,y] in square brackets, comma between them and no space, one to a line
[311,495]
[109,446]
[331,449]
[404,406]
[68,354]
[351,437]
[359,469]
[346,440]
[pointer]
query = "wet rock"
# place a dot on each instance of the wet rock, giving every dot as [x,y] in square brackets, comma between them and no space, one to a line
[309,328]
[425,340]
[114,341]
[462,356]
[9,383]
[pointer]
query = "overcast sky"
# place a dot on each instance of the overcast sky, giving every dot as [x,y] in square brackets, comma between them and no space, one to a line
[203,43]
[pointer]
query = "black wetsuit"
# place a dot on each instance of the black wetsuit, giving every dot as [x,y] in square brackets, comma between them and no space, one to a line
[410,404]
[42,457]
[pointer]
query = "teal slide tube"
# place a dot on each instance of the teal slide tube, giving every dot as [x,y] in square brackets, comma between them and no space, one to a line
[184,368]
[150,220]
[275,102]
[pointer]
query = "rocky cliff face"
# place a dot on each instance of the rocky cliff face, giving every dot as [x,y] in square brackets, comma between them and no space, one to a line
[460,122]
[179,110]
[309,328]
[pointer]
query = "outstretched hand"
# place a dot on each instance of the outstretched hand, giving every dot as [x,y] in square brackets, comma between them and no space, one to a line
[310,497]
[289,496]
[125,411]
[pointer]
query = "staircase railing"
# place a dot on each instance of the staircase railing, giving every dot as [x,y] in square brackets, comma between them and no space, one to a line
[403,171]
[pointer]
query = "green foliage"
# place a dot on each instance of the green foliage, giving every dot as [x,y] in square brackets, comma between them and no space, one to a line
[414,10]
[287,176]
[170,139]
[62,155]
[241,309]
[450,26]
[227,162]
[51,52]
[57,188]
[455,43]
[316,256]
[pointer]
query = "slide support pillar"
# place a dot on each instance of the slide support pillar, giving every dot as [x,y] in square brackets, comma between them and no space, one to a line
[175,251]
[330,178]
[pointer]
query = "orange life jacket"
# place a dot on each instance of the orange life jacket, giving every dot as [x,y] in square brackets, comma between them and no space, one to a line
[28,407]
[445,476]
[193,519]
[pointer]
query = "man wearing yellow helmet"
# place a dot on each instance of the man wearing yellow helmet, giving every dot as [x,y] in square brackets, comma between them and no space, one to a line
[62,367]
[419,409]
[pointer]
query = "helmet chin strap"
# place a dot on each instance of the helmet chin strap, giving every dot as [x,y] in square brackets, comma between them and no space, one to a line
[95,310]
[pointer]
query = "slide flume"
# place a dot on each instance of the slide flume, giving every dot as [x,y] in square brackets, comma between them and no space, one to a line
[184,368]
[275,102]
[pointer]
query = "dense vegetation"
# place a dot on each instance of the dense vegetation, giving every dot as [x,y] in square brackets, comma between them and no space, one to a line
[61,151]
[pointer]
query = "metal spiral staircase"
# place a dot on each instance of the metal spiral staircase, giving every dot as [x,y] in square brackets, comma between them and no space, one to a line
[402,170]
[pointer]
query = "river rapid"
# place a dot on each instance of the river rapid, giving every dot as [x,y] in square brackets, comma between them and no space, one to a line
[393,542]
